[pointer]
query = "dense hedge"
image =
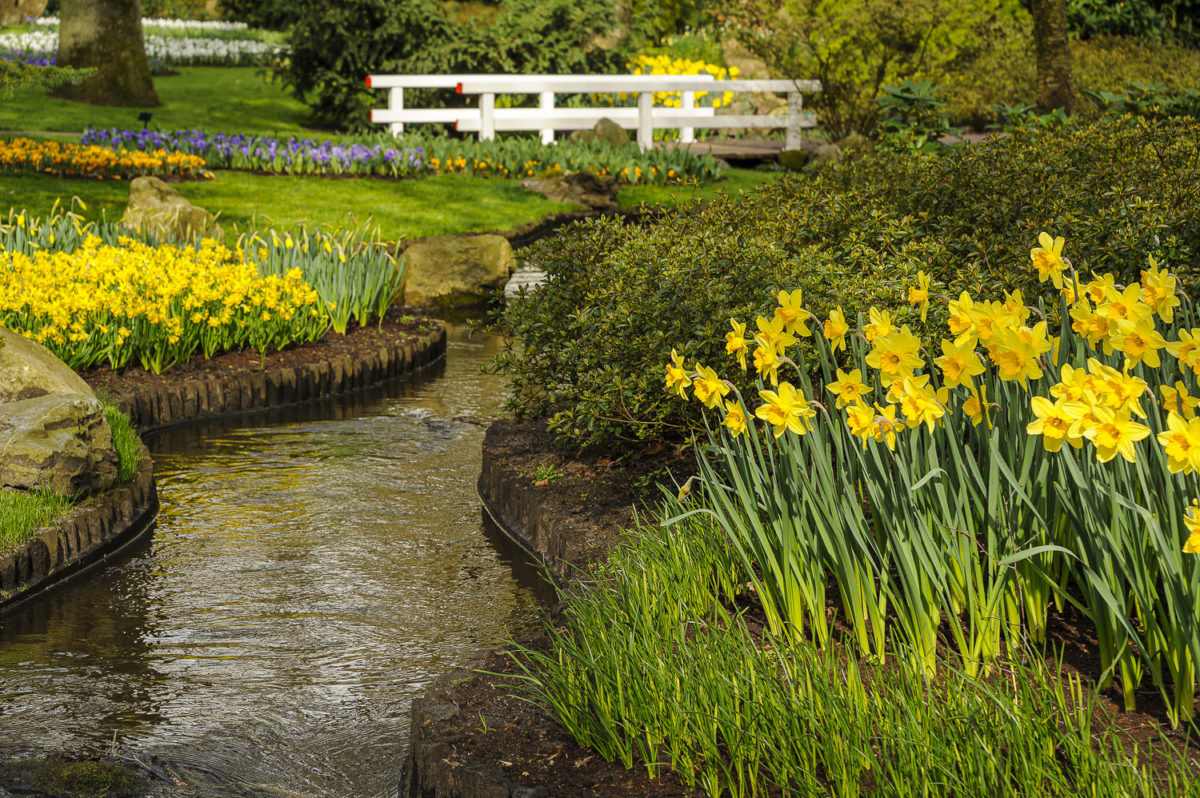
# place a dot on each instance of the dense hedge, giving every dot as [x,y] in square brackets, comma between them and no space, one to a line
[593,341]
[335,46]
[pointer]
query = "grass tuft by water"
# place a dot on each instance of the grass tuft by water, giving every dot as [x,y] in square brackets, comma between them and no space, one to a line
[22,512]
[125,441]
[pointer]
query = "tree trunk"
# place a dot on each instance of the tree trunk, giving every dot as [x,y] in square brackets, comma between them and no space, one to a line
[1054,85]
[105,35]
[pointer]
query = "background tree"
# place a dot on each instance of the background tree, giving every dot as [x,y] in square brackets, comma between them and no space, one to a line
[105,35]
[1054,85]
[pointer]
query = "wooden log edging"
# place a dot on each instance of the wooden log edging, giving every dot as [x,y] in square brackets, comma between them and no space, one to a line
[154,407]
[95,530]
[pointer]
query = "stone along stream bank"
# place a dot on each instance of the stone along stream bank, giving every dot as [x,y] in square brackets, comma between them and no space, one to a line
[311,571]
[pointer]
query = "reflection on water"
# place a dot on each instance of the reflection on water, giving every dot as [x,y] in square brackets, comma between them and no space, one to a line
[309,574]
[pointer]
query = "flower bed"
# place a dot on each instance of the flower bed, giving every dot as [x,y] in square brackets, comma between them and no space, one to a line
[94,161]
[415,155]
[942,493]
[267,153]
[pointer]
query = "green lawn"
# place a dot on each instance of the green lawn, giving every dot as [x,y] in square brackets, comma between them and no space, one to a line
[401,208]
[230,99]
[735,180]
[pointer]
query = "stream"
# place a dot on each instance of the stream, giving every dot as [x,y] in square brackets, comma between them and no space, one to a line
[312,569]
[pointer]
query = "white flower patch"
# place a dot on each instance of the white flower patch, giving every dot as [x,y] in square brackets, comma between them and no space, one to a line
[173,50]
[187,25]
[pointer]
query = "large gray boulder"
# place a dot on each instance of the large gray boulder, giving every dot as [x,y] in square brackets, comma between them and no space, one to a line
[28,370]
[456,270]
[157,208]
[59,441]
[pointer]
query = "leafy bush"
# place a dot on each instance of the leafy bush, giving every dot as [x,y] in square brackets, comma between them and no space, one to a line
[1159,20]
[855,47]
[619,296]
[335,46]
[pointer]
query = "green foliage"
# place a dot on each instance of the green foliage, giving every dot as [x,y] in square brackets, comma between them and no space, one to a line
[855,47]
[595,338]
[915,117]
[16,75]
[125,441]
[334,47]
[269,14]
[649,666]
[1157,20]
[351,270]
[1151,100]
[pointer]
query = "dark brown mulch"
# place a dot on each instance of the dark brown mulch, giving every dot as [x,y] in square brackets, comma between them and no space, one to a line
[397,326]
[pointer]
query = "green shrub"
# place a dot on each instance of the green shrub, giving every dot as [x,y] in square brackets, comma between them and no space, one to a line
[1005,74]
[335,46]
[855,47]
[595,338]
[1157,20]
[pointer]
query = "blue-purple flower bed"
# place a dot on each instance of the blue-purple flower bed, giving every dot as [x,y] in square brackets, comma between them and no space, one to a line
[267,153]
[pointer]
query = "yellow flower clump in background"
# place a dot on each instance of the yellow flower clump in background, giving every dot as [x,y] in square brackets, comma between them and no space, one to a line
[666,65]
[66,159]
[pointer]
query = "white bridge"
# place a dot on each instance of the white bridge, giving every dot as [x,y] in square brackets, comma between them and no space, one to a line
[486,119]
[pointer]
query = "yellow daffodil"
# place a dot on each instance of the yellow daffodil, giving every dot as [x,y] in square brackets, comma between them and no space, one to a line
[920,405]
[710,389]
[962,315]
[1053,423]
[775,333]
[766,360]
[879,324]
[836,329]
[735,418]
[976,407]
[959,364]
[919,295]
[896,354]
[1015,360]
[848,387]
[1181,443]
[735,342]
[1115,433]
[677,377]
[1139,340]
[1191,522]
[1158,291]
[792,313]
[1187,349]
[1048,260]
[785,410]
[1177,399]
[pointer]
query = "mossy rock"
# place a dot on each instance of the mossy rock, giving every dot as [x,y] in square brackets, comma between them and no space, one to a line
[794,160]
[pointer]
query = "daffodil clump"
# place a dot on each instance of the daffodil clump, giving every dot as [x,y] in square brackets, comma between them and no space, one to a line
[665,65]
[128,300]
[969,487]
[102,163]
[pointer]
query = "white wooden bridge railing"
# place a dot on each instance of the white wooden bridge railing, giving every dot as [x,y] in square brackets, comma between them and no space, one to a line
[486,118]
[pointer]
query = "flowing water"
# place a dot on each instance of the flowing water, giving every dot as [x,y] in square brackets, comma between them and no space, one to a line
[310,572]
